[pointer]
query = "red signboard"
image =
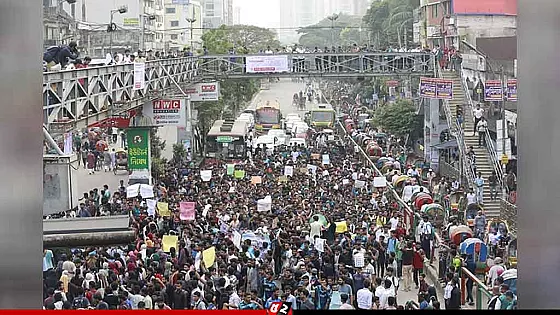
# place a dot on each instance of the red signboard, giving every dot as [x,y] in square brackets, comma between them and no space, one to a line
[208,88]
[485,7]
[167,104]
[392,83]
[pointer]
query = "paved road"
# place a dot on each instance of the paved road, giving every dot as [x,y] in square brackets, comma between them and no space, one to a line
[283,91]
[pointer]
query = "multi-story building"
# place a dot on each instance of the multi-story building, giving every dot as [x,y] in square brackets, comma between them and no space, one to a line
[217,13]
[447,23]
[58,26]
[236,15]
[295,14]
[349,7]
[183,23]
[96,15]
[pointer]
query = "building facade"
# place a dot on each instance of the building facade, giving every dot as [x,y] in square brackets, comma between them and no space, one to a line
[58,26]
[236,15]
[95,15]
[183,23]
[448,22]
[217,13]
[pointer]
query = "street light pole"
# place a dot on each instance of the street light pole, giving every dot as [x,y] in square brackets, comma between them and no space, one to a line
[142,41]
[191,20]
[111,29]
[332,18]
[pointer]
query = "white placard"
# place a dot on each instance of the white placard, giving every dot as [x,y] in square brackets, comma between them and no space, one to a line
[264,204]
[379,182]
[151,203]
[146,191]
[345,181]
[326,159]
[208,91]
[237,239]
[267,64]
[320,244]
[206,175]
[359,184]
[167,112]
[312,168]
[288,170]
[139,76]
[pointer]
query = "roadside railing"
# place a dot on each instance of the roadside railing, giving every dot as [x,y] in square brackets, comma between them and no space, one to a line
[459,135]
[482,294]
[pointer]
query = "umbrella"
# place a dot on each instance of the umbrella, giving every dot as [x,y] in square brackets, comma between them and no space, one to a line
[322,219]
[401,179]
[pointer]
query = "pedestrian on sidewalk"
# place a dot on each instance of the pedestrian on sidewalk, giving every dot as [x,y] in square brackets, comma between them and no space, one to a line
[407,266]
[91,163]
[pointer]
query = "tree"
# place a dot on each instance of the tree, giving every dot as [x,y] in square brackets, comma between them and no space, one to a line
[398,118]
[179,152]
[242,38]
[157,146]
[390,20]
[345,30]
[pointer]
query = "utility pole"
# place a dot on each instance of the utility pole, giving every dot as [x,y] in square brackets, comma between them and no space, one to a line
[141,20]
[504,156]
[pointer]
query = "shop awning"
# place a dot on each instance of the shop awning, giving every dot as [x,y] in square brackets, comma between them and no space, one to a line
[446,145]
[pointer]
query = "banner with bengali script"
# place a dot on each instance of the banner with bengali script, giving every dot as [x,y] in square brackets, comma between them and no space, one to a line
[512,90]
[436,88]
[493,91]
[444,89]
[427,87]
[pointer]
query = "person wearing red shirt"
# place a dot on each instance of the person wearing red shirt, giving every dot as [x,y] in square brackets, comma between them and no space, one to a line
[418,264]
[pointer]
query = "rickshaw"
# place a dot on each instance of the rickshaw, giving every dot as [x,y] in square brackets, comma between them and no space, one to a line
[349,125]
[422,199]
[453,202]
[387,167]
[121,161]
[510,278]
[381,161]
[459,233]
[477,253]
[435,213]
[399,181]
[511,253]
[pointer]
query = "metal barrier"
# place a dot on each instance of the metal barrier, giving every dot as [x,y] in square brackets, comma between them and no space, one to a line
[482,293]
[322,65]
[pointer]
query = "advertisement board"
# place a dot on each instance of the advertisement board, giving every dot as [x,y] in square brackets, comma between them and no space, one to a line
[166,112]
[138,141]
[267,64]
[444,89]
[427,87]
[493,91]
[436,88]
[139,76]
[209,91]
[512,90]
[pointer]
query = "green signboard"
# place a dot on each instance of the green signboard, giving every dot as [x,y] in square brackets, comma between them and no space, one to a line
[138,141]
[224,139]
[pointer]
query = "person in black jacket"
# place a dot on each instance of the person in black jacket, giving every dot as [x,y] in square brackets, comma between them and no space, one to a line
[181,300]
[59,56]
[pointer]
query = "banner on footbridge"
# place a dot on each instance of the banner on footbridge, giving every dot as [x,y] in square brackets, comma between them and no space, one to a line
[267,64]
[436,88]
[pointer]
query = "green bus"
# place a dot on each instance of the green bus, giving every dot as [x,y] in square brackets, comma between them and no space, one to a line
[321,116]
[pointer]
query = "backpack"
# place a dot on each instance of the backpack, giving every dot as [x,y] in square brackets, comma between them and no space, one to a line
[50,54]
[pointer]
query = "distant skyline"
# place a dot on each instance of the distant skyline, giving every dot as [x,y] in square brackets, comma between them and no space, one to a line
[263,13]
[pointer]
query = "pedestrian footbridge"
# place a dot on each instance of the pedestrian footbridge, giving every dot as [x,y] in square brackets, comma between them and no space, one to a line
[76,98]
[87,231]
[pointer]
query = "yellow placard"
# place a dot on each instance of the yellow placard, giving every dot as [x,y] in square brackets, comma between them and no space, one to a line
[169,241]
[163,209]
[303,170]
[283,179]
[209,256]
[341,227]
[256,180]
[239,174]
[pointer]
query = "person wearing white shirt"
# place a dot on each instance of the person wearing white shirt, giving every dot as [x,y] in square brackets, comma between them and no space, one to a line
[364,297]
[495,271]
[425,230]
[358,256]
[315,229]
[471,198]
[394,220]
[395,176]
[408,190]
[478,113]
[385,294]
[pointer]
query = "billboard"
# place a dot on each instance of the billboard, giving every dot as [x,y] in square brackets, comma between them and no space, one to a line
[267,64]
[436,88]
[209,91]
[493,91]
[138,141]
[485,7]
[512,90]
[166,112]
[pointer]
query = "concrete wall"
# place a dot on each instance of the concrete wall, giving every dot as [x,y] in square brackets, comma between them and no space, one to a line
[474,26]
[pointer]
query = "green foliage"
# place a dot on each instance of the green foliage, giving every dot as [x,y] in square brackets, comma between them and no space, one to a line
[157,146]
[243,38]
[389,20]
[179,152]
[398,118]
[345,32]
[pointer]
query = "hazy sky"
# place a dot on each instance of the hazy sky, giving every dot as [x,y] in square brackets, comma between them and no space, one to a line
[263,13]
